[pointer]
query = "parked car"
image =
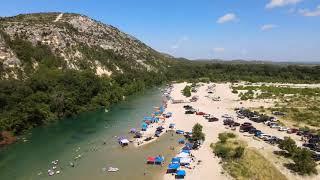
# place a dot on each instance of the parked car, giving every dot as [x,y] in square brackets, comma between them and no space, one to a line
[206,115]
[316,156]
[246,124]
[252,130]
[189,112]
[257,133]
[226,116]
[213,119]
[200,113]
[283,129]
[292,130]
[267,122]
[187,107]
[275,126]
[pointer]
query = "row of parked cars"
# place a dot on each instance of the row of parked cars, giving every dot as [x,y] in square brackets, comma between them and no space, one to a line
[190,110]
[312,141]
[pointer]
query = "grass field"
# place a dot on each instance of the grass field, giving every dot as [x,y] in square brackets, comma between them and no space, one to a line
[249,164]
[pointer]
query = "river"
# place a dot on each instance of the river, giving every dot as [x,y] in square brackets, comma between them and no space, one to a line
[85,135]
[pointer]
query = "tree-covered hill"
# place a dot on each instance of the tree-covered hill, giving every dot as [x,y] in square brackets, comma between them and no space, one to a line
[55,65]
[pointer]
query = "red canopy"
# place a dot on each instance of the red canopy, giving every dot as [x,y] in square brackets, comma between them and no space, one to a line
[151,159]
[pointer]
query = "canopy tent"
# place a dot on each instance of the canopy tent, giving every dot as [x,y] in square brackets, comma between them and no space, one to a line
[155,119]
[175,160]
[159,159]
[147,118]
[121,137]
[151,159]
[144,126]
[124,141]
[133,130]
[186,148]
[182,155]
[181,172]
[181,141]
[186,151]
[138,134]
[171,125]
[174,166]
[161,109]
[185,161]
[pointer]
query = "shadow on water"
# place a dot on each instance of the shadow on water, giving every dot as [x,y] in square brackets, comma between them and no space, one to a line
[92,137]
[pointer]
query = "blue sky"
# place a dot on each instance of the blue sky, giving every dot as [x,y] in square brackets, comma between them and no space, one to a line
[278,30]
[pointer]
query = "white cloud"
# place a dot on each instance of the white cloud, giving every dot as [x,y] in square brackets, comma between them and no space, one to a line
[227,18]
[309,13]
[218,49]
[281,3]
[267,27]
[179,42]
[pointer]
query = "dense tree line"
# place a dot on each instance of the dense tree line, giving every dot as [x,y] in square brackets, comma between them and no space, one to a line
[51,91]
[246,72]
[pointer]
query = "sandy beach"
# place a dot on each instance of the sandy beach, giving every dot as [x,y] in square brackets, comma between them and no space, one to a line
[209,168]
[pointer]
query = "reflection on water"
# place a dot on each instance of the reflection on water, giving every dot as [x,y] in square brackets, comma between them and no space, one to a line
[89,142]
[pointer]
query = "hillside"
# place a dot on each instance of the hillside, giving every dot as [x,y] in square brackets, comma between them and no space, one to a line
[80,43]
[55,65]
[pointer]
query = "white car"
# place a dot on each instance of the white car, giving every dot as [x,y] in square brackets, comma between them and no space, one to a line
[275,126]
[283,129]
[267,122]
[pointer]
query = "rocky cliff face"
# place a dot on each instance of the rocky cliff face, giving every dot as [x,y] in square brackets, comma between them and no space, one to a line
[79,41]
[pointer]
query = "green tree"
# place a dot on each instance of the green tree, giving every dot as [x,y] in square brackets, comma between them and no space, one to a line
[197,133]
[187,91]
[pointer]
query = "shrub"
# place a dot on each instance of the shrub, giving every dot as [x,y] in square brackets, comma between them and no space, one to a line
[288,145]
[223,137]
[303,162]
[238,152]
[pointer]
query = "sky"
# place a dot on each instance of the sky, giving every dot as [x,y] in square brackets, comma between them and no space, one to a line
[275,30]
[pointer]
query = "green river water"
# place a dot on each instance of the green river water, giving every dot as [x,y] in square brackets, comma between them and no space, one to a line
[84,135]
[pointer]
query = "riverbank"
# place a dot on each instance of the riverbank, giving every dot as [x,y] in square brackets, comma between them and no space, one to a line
[210,168]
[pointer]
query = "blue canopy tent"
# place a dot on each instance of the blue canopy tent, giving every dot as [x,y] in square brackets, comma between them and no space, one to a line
[148,118]
[181,141]
[155,119]
[159,160]
[186,151]
[161,109]
[156,113]
[180,174]
[144,126]
[190,145]
[173,166]
[175,160]
[186,148]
